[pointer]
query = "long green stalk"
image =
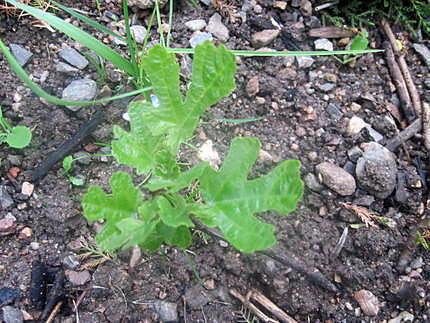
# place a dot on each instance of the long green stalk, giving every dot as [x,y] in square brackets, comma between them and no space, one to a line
[80,36]
[24,77]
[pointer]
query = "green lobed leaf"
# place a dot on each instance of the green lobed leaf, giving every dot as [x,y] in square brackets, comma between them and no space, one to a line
[360,42]
[232,200]
[212,79]
[67,164]
[122,203]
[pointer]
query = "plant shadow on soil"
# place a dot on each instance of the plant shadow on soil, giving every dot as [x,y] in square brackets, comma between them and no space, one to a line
[299,121]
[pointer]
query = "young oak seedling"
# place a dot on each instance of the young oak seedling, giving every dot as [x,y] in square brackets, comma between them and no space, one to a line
[169,209]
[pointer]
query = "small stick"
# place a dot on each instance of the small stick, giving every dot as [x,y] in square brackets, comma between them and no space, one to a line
[54,312]
[404,135]
[252,307]
[400,84]
[267,303]
[67,147]
[426,124]
[415,97]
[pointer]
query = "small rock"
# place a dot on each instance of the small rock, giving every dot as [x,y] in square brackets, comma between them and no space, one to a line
[376,170]
[34,245]
[209,284]
[73,57]
[80,90]
[368,302]
[304,61]
[323,44]
[403,317]
[71,262]
[7,226]
[15,160]
[287,73]
[264,38]
[5,199]
[209,154]
[306,8]
[253,86]
[78,278]
[217,28]
[27,188]
[8,295]
[312,183]
[146,4]
[167,311]
[65,68]
[21,54]
[12,315]
[195,25]
[200,37]
[139,33]
[82,157]
[354,153]
[336,178]
[424,52]
[280,5]
[25,233]
[356,124]
[417,263]
[334,111]
[326,87]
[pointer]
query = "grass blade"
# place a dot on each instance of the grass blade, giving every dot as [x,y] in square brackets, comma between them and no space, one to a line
[239,121]
[250,53]
[88,21]
[22,74]
[78,35]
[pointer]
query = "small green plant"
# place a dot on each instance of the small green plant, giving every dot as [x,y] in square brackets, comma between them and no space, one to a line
[67,171]
[226,199]
[359,42]
[422,239]
[16,137]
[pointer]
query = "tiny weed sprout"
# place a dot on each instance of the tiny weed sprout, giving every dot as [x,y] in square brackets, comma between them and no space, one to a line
[359,43]
[15,137]
[174,199]
[67,171]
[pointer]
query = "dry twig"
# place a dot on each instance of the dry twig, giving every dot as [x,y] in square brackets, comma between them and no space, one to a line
[252,307]
[269,305]
[365,215]
[54,312]
[426,124]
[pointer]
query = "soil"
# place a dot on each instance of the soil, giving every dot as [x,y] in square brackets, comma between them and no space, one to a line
[298,121]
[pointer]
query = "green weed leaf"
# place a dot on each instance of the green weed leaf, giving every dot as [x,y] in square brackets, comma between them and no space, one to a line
[232,200]
[19,137]
[360,42]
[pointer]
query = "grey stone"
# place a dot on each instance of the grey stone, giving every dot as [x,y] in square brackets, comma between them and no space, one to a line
[326,87]
[12,315]
[304,61]
[356,124]
[417,263]
[80,90]
[334,111]
[312,183]
[196,25]
[5,199]
[217,28]
[200,37]
[336,178]
[73,57]
[139,32]
[376,170]
[65,68]
[78,278]
[206,2]
[264,38]
[167,311]
[403,317]
[323,44]
[145,4]
[21,54]
[15,160]
[306,8]
[424,52]
[366,200]
[71,262]
[354,153]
